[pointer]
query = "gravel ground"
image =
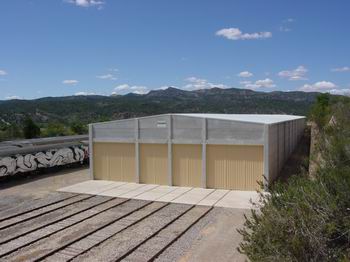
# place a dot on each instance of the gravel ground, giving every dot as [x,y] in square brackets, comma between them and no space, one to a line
[119,245]
[35,187]
[213,238]
[150,249]
[38,222]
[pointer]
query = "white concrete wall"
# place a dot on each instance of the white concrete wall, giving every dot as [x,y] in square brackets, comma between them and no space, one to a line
[282,141]
[184,129]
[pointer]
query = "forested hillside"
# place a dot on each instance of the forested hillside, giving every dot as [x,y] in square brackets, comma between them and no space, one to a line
[88,109]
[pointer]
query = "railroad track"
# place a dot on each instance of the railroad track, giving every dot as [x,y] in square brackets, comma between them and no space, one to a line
[73,227]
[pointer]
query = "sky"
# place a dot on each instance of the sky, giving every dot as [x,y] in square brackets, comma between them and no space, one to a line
[104,47]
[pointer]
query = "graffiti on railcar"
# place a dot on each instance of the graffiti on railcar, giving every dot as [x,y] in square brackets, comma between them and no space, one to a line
[53,157]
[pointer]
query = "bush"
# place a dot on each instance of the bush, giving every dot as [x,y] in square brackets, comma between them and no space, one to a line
[308,220]
[320,111]
[30,129]
[55,129]
[78,128]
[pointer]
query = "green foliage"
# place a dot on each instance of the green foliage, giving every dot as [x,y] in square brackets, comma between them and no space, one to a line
[10,132]
[14,131]
[30,129]
[55,129]
[321,110]
[78,128]
[308,219]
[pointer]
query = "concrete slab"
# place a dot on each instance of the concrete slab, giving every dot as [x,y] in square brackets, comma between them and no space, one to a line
[183,195]
[91,187]
[238,199]
[121,190]
[138,191]
[156,193]
[193,197]
[214,197]
[174,194]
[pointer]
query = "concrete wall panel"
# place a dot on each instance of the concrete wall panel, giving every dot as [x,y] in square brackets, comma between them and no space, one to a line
[118,130]
[282,141]
[237,132]
[273,152]
[186,128]
[154,127]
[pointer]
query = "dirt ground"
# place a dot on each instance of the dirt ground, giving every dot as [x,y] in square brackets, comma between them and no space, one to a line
[38,186]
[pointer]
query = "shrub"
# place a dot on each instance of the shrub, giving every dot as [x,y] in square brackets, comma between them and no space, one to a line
[304,219]
[30,129]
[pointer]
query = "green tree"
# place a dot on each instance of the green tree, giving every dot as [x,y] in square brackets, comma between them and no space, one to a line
[14,131]
[55,129]
[321,109]
[30,128]
[78,128]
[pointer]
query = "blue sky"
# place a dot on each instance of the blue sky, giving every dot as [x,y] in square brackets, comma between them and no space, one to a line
[67,47]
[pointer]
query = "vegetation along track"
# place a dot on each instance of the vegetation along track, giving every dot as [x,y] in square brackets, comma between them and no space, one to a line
[95,228]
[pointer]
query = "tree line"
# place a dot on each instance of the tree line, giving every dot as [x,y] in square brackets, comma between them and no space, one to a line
[30,129]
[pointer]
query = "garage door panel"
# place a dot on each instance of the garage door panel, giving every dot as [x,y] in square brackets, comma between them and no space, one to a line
[100,163]
[187,165]
[234,167]
[154,164]
[114,161]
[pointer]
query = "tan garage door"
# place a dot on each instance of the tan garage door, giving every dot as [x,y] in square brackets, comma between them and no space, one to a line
[187,165]
[114,161]
[154,164]
[234,167]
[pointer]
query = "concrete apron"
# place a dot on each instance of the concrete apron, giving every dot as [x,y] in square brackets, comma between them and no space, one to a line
[173,194]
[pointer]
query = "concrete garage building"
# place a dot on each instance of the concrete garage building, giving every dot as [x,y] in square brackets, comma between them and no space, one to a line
[222,151]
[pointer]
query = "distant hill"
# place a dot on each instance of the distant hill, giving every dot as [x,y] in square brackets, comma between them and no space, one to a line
[96,108]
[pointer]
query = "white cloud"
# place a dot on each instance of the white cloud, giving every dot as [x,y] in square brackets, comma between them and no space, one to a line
[122,87]
[107,77]
[264,83]
[113,69]
[87,3]
[245,74]
[195,83]
[163,88]
[343,92]
[125,88]
[286,22]
[12,97]
[70,82]
[82,93]
[289,20]
[297,74]
[285,29]
[341,69]
[322,86]
[3,72]
[236,34]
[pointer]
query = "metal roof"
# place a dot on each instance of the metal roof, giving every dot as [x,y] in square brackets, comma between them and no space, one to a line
[252,118]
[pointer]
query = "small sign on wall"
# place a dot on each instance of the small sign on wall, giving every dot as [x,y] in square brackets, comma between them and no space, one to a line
[161,124]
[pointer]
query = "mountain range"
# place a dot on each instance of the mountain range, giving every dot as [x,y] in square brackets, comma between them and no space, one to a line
[93,108]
